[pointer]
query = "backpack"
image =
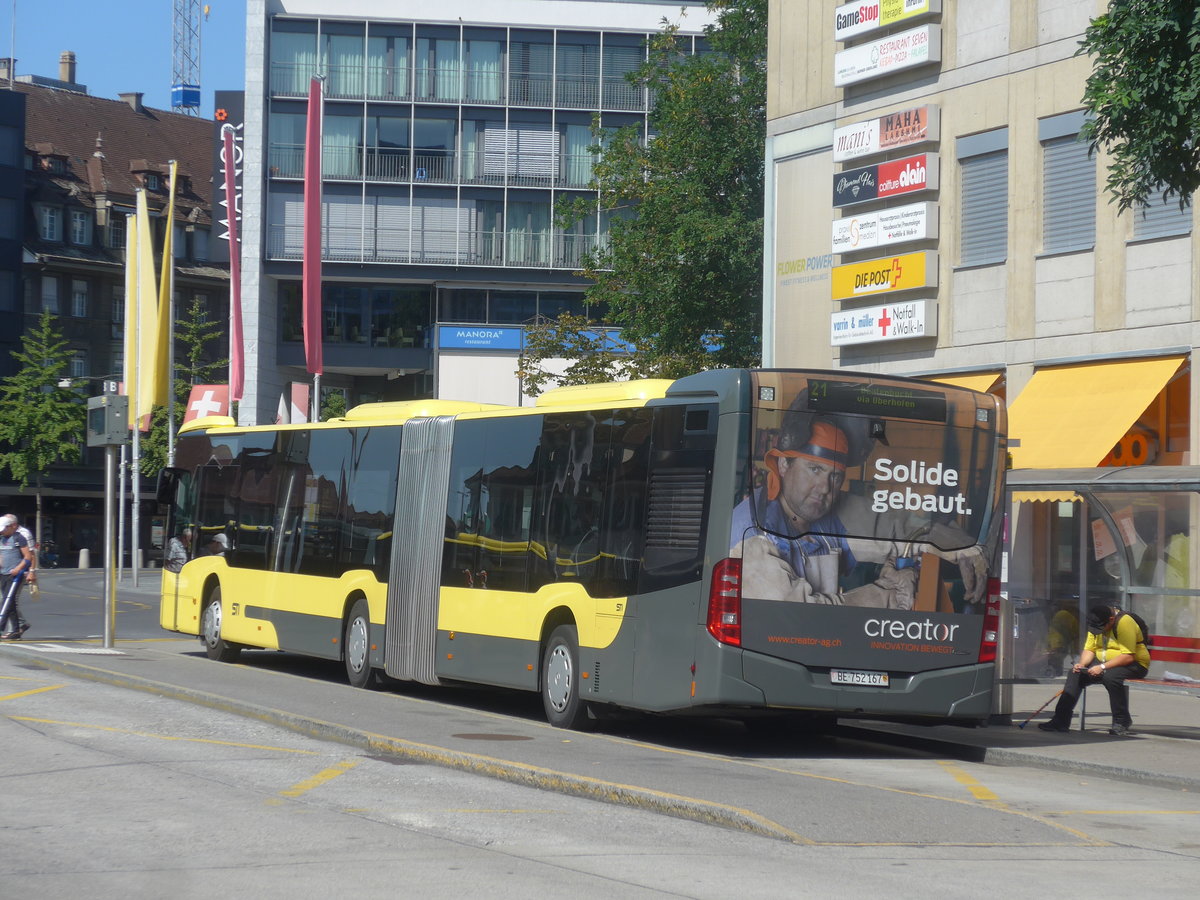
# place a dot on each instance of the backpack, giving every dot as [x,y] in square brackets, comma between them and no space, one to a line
[1146,640]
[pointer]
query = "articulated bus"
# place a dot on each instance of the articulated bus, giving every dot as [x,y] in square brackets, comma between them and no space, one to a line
[731,543]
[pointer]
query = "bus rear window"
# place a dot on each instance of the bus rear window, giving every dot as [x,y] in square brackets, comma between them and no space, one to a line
[871,459]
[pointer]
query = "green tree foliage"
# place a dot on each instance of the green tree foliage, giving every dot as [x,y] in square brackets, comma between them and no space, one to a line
[40,423]
[584,354]
[195,333]
[681,271]
[1144,93]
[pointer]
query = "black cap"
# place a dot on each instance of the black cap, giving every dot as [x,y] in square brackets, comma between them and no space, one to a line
[1098,618]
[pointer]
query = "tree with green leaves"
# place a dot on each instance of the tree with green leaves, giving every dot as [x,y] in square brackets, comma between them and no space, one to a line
[680,271]
[41,423]
[196,333]
[583,351]
[1144,95]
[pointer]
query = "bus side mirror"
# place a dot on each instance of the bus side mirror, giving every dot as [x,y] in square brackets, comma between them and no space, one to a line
[168,481]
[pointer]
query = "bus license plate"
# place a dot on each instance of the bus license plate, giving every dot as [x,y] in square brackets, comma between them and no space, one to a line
[854,676]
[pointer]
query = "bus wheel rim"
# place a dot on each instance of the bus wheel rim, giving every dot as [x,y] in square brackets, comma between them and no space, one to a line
[558,678]
[356,645]
[212,623]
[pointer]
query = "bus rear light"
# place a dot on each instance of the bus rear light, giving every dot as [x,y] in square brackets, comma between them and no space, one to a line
[991,622]
[725,602]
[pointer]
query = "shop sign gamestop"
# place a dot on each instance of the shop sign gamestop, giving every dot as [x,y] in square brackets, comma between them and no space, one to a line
[886,55]
[856,19]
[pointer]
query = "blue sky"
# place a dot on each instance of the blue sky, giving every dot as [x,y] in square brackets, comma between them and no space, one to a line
[124,45]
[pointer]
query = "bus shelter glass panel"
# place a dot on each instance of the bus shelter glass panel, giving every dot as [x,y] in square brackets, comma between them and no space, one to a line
[1056,570]
[1153,544]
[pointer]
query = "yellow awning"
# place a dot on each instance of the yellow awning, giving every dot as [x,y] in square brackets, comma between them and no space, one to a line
[1071,416]
[982,382]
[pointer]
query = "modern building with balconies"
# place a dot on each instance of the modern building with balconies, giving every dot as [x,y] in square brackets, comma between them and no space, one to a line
[450,135]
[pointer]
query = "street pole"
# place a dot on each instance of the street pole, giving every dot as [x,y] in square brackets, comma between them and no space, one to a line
[122,469]
[110,569]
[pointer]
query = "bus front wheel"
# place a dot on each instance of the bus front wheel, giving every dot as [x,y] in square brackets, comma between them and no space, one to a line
[210,631]
[356,646]
[560,680]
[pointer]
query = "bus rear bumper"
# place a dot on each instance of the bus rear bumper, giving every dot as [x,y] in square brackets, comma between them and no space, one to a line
[961,693]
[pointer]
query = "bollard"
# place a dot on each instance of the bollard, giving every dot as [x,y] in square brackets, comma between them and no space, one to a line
[85,561]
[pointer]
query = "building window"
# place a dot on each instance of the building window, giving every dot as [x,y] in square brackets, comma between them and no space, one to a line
[116,230]
[152,181]
[1162,218]
[10,146]
[1068,186]
[983,166]
[81,227]
[118,311]
[50,294]
[200,245]
[79,364]
[79,299]
[8,219]
[50,223]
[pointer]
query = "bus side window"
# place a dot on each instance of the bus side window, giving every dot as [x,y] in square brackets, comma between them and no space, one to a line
[461,549]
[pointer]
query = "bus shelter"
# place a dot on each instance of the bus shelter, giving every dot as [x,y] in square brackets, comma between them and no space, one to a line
[1121,536]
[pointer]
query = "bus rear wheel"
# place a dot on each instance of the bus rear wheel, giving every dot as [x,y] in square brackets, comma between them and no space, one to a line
[356,646]
[210,631]
[560,680]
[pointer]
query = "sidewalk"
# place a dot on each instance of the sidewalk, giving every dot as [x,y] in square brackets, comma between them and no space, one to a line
[1164,749]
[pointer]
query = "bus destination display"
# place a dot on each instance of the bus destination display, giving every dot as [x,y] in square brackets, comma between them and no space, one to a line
[867,399]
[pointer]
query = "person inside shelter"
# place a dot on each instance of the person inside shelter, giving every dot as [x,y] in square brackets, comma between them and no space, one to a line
[1115,652]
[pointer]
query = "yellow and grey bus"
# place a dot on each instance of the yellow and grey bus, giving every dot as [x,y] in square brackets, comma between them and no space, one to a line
[733,543]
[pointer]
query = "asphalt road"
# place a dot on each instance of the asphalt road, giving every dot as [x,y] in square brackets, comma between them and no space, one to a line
[121,792]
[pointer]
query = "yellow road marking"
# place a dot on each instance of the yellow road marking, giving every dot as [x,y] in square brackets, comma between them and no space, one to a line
[977,789]
[161,737]
[41,690]
[325,775]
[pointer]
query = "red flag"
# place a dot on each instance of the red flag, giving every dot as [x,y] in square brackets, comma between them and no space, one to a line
[311,278]
[237,365]
[207,400]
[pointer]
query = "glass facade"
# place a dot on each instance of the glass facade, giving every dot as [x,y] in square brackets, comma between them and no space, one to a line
[454,144]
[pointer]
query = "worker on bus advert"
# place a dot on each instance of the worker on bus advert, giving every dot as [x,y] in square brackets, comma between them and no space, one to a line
[838,514]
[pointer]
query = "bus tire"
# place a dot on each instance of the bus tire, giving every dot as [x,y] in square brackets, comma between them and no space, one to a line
[210,631]
[560,680]
[356,646]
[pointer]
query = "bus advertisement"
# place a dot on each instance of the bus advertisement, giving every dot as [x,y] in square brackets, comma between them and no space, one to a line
[739,543]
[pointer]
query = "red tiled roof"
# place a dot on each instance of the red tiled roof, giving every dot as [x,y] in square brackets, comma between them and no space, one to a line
[71,123]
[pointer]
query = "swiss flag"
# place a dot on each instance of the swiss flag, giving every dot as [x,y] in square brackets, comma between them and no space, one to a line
[207,400]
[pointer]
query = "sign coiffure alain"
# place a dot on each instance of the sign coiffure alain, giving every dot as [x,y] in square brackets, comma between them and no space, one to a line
[894,178]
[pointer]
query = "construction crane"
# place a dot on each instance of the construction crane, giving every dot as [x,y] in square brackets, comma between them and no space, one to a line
[185,59]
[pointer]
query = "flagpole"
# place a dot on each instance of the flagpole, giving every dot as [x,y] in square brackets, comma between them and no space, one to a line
[169,265]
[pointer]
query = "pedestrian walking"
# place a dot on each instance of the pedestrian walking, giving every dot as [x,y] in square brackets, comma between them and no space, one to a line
[15,560]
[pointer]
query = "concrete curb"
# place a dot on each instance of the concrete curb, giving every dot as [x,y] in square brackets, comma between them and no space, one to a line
[681,807]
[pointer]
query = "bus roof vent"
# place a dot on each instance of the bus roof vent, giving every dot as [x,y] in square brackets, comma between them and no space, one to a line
[600,394]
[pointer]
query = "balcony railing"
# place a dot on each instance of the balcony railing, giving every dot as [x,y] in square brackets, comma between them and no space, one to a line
[436,246]
[374,80]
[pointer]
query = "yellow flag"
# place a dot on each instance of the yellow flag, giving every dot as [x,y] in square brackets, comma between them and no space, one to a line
[147,313]
[163,377]
[130,360]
